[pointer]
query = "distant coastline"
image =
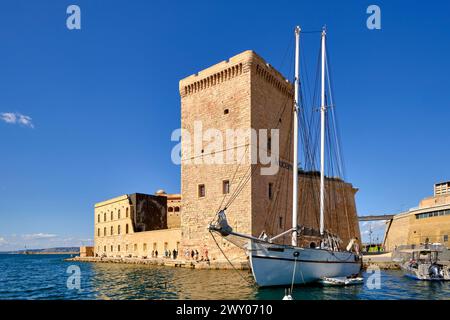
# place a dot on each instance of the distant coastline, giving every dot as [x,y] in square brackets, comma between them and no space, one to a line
[59,250]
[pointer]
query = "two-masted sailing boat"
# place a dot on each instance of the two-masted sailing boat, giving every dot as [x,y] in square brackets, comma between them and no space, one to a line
[279,264]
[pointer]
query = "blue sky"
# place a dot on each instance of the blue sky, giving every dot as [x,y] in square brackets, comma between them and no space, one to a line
[94,108]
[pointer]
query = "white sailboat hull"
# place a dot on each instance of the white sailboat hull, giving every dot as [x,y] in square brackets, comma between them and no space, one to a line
[273,265]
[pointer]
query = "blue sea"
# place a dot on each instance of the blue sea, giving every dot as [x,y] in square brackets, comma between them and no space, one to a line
[50,277]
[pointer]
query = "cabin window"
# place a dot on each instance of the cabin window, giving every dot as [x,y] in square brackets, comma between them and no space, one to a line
[201,190]
[226,186]
[270,191]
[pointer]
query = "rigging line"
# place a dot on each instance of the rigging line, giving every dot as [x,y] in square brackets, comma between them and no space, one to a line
[234,268]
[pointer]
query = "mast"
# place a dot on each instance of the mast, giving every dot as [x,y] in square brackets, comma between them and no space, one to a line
[322,136]
[295,160]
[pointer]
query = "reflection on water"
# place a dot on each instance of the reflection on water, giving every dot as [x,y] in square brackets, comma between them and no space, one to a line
[44,277]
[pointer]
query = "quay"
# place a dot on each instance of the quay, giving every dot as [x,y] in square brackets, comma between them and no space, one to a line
[211,265]
[383,261]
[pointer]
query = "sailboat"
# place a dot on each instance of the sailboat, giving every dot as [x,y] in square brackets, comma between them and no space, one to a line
[275,264]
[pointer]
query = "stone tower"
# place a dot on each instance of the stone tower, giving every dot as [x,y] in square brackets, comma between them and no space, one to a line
[244,93]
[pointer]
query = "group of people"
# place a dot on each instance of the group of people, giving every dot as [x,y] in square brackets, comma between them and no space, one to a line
[195,255]
[167,254]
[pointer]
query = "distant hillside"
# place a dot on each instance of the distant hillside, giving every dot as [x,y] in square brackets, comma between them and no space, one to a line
[48,250]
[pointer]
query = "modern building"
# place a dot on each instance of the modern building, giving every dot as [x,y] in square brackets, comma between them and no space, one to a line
[135,225]
[429,222]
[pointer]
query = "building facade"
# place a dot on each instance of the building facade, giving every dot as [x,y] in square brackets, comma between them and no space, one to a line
[135,225]
[429,222]
[246,93]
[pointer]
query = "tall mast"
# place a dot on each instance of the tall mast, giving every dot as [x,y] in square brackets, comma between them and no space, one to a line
[322,136]
[295,160]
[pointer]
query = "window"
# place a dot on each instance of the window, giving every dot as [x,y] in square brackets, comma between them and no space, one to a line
[280,222]
[118,248]
[201,190]
[104,249]
[226,186]
[144,246]
[98,218]
[112,217]
[112,248]
[118,229]
[112,230]
[126,213]
[98,232]
[126,228]
[177,209]
[170,209]
[154,246]
[270,191]
[446,238]
[104,232]
[118,214]
[226,111]
[104,216]
[135,247]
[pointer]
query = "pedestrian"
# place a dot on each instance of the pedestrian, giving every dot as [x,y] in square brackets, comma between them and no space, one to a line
[156,253]
[196,254]
[192,254]
[174,254]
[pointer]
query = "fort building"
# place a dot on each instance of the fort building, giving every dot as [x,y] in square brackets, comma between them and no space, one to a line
[245,92]
[427,223]
[241,93]
[135,225]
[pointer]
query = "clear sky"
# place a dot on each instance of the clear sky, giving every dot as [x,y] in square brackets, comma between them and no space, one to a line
[87,114]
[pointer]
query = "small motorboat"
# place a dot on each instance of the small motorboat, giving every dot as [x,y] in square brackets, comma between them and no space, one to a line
[424,263]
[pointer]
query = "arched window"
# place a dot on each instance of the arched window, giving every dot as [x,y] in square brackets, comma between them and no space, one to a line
[112,216]
[126,213]
[170,209]
[118,247]
[98,232]
[126,229]
[177,209]
[104,216]
[118,229]
[118,214]
[104,232]
[98,218]
[112,230]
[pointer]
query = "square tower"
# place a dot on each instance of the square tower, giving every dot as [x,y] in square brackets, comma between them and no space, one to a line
[241,93]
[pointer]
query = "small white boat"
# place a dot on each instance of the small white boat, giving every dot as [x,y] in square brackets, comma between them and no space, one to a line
[341,281]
